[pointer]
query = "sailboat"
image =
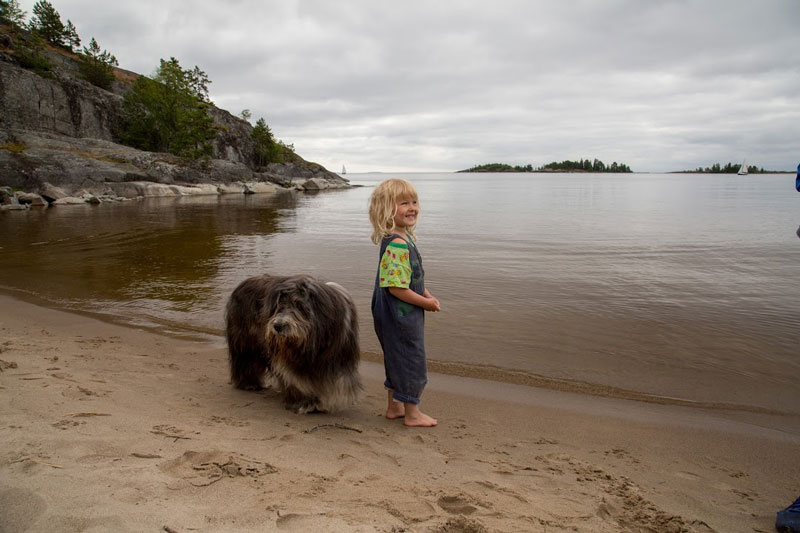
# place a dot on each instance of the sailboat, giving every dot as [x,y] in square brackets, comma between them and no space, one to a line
[743,168]
[344,170]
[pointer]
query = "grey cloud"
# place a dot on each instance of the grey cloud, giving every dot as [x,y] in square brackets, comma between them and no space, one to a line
[443,85]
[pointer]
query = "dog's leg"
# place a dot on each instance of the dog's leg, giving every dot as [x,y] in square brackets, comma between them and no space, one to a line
[296,401]
[248,367]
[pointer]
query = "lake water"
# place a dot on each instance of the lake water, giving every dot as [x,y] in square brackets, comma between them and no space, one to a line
[673,287]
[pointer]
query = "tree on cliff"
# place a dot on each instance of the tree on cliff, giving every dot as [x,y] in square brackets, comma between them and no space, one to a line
[265,148]
[11,13]
[46,21]
[70,36]
[97,67]
[169,113]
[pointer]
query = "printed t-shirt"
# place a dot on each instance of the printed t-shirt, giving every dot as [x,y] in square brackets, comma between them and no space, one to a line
[395,267]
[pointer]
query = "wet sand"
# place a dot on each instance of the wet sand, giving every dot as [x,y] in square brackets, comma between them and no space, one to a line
[107,428]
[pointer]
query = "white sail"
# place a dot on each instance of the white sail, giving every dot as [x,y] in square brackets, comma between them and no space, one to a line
[743,168]
[344,170]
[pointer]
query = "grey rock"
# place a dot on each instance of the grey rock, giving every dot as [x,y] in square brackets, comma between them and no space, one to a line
[7,196]
[14,207]
[201,189]
[52,193]
[69,200]
[314,184]
[64,105]
[31,199]
[261,187]
[231,188]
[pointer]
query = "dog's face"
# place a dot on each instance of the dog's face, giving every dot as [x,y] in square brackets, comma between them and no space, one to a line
[292,308]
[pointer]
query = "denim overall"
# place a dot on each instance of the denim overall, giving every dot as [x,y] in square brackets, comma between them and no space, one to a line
[400,328]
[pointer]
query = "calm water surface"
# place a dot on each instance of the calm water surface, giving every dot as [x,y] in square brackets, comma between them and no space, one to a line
[683,286]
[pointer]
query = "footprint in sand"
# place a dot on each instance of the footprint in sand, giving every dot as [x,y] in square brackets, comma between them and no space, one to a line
[620,453]
[456,505]
[301,522]
[460,524]
[169,431]
[66,424]
[201,469]
[229,421]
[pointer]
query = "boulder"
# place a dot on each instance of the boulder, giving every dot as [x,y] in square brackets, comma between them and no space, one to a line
[7,196]
[51,193]
[69,200]
[314,184]
[14,207]
[231,188]
[31,199]
[261,187]
[201,189]
[144,189]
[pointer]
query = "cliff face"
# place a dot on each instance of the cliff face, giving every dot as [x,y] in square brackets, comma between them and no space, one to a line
[62,105]
[59,130]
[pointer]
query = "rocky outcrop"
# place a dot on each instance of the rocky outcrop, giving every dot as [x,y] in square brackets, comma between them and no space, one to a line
[63,105]
[59,131]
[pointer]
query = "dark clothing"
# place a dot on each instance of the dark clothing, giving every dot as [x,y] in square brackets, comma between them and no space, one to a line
[400,328]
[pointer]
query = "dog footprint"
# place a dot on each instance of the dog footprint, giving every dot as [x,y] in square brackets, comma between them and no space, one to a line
[169,431]
[66,424]
[229,421]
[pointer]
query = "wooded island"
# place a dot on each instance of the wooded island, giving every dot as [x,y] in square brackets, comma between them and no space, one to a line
[583,165]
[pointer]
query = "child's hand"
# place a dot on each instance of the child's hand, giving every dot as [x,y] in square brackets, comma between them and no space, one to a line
[432,304]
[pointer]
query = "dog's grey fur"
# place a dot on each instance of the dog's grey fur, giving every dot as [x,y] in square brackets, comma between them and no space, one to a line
[300,332]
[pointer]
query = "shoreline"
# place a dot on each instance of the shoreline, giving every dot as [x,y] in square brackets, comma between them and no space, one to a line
[116,428]
[487,372]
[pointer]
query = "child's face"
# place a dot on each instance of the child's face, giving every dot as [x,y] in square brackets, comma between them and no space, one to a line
[406,215]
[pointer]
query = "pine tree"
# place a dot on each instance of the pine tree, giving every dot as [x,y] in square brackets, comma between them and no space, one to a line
[11,13]
[47,22]
[97,67]
[71,36]
[169,113]
[265,149]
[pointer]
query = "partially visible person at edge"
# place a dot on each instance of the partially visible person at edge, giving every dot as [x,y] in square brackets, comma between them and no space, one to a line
[399,299]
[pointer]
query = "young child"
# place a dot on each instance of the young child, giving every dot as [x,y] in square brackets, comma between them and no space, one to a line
[399,299]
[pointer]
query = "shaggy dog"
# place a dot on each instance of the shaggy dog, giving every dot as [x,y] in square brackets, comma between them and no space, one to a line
[300,332]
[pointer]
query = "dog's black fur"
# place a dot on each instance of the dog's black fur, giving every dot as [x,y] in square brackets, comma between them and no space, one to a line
[299,331]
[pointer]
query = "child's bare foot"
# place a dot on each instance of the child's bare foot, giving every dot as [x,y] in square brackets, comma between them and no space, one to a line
[394,410]
[416,418]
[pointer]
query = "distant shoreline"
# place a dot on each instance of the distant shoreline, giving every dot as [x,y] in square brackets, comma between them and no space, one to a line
[599,172]
[732,173]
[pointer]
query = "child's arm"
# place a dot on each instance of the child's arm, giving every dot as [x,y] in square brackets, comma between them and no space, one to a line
[427,302]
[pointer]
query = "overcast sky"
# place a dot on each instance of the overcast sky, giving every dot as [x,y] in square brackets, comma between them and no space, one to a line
[443,85]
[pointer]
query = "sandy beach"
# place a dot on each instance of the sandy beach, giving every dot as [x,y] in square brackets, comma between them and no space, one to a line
[108,428]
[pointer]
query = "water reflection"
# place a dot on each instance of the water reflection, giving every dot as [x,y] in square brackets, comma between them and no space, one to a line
[164,249]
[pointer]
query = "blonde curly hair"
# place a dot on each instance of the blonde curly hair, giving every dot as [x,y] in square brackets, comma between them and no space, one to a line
[383,206]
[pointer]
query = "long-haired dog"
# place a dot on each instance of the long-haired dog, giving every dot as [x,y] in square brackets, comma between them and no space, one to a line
[302,333]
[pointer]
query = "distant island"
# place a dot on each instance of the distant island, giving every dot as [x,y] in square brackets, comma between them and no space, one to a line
[729,168]
[583,165]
